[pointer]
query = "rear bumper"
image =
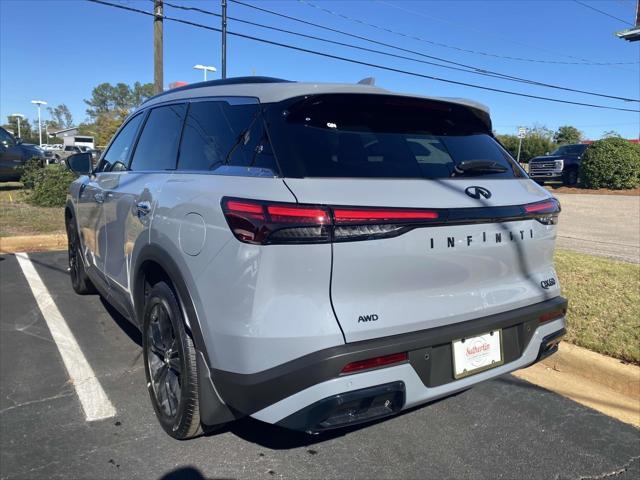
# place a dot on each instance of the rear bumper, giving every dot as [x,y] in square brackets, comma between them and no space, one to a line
[277,393]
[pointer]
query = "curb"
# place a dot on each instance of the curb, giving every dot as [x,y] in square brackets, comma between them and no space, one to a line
[33,243]
[599,382]
[609,372]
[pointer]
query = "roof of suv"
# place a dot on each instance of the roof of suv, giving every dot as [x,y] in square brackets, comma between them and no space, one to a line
[269,90]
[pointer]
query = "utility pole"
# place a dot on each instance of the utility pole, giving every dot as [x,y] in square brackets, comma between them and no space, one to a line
[223,3]
[157,47]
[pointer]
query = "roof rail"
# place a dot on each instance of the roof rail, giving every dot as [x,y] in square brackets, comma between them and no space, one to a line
[217,83]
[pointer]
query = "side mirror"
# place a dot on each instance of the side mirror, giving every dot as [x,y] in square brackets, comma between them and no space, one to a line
[19,141]
[547,153]
[80,163]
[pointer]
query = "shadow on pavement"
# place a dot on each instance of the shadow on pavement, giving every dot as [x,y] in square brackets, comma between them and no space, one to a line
[183,473]
[125,325]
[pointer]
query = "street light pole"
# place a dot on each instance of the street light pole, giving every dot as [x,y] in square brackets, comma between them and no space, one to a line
[522,133]
[39,103]
[19,116]
[205,69]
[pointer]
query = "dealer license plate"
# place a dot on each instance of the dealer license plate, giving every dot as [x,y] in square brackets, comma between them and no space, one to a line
[476,354]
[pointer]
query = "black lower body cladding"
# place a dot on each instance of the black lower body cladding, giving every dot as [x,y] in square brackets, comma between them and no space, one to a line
[429,353]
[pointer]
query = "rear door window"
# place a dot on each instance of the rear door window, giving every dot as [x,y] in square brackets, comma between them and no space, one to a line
[382,136]
[219,133]
[157,147]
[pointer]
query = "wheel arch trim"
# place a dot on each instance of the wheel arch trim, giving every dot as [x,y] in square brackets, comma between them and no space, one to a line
[213,410]
[159,256]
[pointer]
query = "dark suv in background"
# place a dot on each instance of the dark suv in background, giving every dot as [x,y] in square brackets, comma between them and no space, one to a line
[14,155]
[563,164]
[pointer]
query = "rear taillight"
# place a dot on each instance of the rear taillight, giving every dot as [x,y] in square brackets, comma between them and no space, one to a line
[364,223]
[262,223]
[258,222]
[545,212]
[375,362]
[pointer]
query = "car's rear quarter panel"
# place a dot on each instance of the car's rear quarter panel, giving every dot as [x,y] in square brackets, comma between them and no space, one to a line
[258,306]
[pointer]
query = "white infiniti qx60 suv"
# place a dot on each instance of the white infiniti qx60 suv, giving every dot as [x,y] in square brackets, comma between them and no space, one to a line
[314,255]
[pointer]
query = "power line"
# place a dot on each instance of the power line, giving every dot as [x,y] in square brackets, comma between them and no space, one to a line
[466,68]
[583,61]
[602,12]
[378,27]
[367,64]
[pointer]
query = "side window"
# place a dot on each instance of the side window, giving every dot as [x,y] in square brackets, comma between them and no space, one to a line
[116,157]
[218,133]
[6,139]
[158,144]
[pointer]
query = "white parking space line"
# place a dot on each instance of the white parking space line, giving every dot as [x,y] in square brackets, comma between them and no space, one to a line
[94,400]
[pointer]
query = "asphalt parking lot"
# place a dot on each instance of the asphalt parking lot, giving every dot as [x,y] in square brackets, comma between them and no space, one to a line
[505,428]
[604,225]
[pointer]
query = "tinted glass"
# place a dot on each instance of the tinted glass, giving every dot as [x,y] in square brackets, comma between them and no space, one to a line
[217,133]
[353,135]
[5,138]
[158,144]
[570,150]
[118,152]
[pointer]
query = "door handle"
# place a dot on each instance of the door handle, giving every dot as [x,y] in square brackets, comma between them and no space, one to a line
[144,208]
[99,198]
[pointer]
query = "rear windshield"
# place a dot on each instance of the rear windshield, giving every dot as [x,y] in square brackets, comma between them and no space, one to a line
[353,135]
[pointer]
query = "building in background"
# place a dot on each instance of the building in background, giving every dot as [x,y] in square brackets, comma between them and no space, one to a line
[70,137]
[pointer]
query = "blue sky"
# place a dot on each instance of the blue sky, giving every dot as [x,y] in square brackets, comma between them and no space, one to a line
[75,45]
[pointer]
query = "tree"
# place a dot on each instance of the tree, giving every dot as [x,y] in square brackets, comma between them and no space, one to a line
[110,99]
[536,143]
[611,134]
[110,104]
[141,92]
[510,142]
[566,135]
[61,116]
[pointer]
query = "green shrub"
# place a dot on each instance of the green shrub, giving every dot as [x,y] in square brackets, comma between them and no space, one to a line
[48,186]
[32,172]
[611,163]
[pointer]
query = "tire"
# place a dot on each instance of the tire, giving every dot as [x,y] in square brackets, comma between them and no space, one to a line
[170,365]
[571,177]
[77,271]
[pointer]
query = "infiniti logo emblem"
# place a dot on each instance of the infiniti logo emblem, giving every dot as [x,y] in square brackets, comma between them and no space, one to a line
[477,192]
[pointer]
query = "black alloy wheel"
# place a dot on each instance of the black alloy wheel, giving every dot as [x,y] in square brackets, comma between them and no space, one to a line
[79,279]
[170,364]
[163,357]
